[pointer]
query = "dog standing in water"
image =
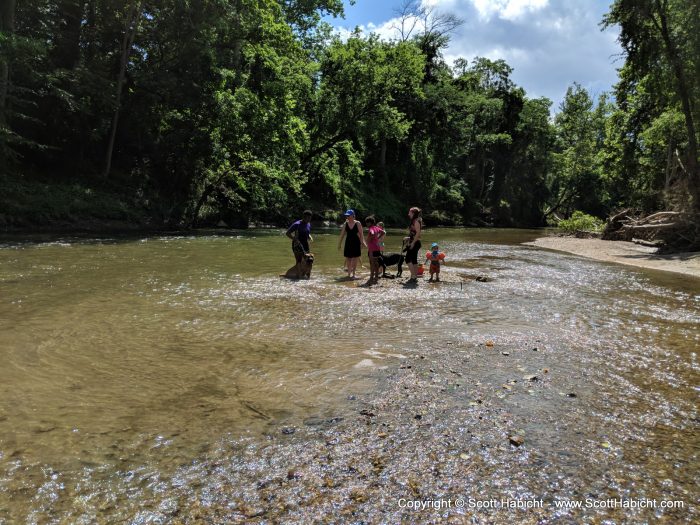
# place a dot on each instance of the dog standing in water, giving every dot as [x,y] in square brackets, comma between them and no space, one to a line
[302,269]
[391,259]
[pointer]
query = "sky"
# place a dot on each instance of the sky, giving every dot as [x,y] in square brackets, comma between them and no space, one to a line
[550,44]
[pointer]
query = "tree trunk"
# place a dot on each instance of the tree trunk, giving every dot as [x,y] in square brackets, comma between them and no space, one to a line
[91,32]
[683,92]
[129,34]
[669,169]
[340,136]
[208,190]
[563,199]
[7,25]
[66,53]
[382,161]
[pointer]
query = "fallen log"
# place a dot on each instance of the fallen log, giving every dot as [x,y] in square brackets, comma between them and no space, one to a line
[667,230]
[660,215]
[648,244]
[618,216]
[628,227]
[614,223]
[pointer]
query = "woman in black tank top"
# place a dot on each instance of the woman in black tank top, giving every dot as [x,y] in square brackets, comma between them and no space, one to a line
[414,244]
[352,233]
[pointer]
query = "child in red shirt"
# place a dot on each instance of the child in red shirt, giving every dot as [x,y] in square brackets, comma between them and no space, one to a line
[436,258]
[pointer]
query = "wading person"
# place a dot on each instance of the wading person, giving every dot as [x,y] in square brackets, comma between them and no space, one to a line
[300,233]
[352,233]
[414,230]
[374,235]
[436,258]
[381,237]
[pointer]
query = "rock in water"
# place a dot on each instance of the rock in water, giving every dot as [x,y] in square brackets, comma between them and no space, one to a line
[516,440]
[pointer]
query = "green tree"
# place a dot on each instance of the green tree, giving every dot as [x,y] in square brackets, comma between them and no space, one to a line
[661,40]
[575,183]
[354,107]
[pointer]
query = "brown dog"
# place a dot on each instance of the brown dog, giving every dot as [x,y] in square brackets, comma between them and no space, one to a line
[302,269]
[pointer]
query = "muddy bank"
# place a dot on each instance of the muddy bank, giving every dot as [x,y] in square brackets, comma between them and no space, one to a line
[622,252]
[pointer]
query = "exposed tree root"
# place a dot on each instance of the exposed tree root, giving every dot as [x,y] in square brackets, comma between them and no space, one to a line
[669,230]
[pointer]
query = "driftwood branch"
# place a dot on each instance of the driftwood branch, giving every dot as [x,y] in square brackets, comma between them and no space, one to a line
[670,230]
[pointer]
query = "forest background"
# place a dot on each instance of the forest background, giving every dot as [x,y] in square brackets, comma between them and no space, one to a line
[183,113]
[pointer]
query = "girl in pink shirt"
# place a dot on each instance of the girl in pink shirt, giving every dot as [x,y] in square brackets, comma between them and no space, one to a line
[374,234]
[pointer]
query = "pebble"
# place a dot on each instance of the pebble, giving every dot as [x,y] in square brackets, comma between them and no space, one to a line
[516,440]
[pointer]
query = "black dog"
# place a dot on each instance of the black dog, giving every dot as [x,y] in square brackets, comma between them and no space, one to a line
[391,259]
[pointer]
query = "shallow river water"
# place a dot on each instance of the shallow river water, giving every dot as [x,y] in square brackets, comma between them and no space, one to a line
[132,367]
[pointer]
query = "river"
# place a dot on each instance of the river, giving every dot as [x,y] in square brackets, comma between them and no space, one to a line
[148,379]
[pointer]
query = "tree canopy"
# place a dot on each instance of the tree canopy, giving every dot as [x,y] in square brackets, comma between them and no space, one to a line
[195,112]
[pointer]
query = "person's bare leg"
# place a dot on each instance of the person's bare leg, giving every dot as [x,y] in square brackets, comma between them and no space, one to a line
[413,268]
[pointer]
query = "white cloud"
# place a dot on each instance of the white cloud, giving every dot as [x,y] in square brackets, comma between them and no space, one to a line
[387,30]
[507,9]
[549,45]
[440,4]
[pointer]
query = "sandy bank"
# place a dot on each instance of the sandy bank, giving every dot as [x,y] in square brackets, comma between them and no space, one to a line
[623,253]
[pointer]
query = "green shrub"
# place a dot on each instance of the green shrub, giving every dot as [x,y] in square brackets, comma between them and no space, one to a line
[580,221]
[24,201]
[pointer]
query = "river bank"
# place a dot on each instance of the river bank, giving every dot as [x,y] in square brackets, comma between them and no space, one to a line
[622,252]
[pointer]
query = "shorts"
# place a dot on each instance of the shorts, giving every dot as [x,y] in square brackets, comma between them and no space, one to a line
[374,254]
[299,248]
[412,253]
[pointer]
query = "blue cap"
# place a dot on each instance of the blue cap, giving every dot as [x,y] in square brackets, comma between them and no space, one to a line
[349,212]
[434,245]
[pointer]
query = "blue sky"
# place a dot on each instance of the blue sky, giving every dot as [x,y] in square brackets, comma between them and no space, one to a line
[549,43]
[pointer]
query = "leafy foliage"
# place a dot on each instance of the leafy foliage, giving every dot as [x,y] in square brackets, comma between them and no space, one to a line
[251,109]
[582,222]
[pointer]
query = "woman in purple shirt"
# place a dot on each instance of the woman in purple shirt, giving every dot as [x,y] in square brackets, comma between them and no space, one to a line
[300,233]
